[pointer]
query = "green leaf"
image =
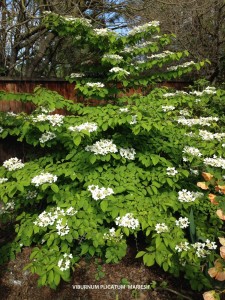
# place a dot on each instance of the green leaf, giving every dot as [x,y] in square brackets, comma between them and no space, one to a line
[104,205]
[192,227]
[55,188]
[149,259]
[77,140]
[56,278]
[140,253]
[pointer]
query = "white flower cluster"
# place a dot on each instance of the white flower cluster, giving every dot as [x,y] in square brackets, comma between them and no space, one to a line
[215,161]
[13,164]
[185,65]
[62,229]
[99,193]
[124,109]
[204,121]
[202,249]
[7,207]
[118,70]
[137,47]
[177,93]
[182,222]
[183,246]
[83,21]
[55,120]
[187,196]
[64,263]
[161,227]
[77,75]
[31,195]
[184,112]
[192,151]
[112,236]
[102,31]
[208,136]
[127,221]
[102,147]
[194,172]
[166,108]
[171,171]
[46,219]
[95,84]
[210,90]
[3,179]
[116,57]
[161,55]
[11,114]
[133,120]
[142,28]
[128,153]
[90,127]
[1,129]
[43,178]
[47,136]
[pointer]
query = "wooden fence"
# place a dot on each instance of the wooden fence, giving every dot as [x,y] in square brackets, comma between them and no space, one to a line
[60,86]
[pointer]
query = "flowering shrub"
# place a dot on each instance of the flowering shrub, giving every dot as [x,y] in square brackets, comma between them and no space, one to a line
[128,168]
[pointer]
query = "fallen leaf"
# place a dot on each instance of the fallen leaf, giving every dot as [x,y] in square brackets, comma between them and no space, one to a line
[222,252]
[220,214]
[202,185]
[207,176]
[210,295]
[222,241]
[212,198]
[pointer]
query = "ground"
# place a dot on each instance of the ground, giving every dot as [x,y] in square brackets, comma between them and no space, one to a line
[18,284]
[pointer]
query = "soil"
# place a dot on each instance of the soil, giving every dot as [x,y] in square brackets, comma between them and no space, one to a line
[15,283]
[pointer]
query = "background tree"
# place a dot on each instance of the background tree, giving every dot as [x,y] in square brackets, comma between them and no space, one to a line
[199,27]
[28,49]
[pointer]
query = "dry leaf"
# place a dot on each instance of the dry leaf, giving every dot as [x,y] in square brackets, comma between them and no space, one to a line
[210,295]
[207,176]
[212,198]
[222,252]
[222,241]
[220,214]
[202,185]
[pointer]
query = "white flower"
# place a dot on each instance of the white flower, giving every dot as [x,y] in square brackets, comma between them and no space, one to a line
[62,229]
[113,57]
[210,245]
[117,70]
[47,136]
[3,179]
[215,161]
[166,108]
[1,129]
[185,65]
[184,112]
[124,109]
[65,262]
[127,221]
[204,121]
[192,151]
[43,178]
[112,235]
[160,55]
[99,193]
[161,227]
[31,195]
[128,153]
[102,147]
[182,222]
[187,196]
[11,114]
[55,120]
[95,84]
[77,75]
[171,171]
[133,120]
[207,135]
[13,164]
[142,28]
[195,172]
[183,246]
[102,31]
[90,127]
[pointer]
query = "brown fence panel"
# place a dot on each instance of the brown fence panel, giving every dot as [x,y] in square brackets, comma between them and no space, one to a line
[62,87]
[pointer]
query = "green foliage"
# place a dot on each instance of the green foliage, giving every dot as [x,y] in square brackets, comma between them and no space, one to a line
[102,174]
